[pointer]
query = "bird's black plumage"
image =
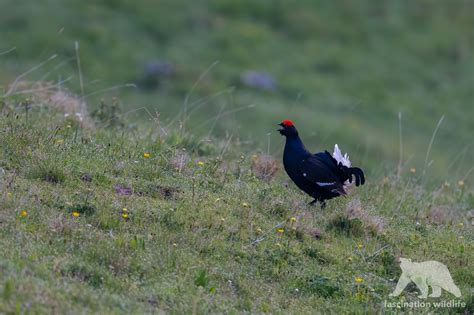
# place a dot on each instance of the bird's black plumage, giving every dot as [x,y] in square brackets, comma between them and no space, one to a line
[319,175]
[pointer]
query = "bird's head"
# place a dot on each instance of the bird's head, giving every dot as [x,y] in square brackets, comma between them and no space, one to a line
[287,128]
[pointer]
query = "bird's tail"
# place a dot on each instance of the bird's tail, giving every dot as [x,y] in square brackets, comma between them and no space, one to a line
[343,159]
[353,171]
[344,164]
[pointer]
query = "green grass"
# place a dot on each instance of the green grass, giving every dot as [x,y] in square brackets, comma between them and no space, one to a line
[202,237]
[345,69]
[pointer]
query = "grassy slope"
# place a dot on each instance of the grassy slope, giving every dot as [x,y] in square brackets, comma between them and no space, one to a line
[350,64]
[187,244]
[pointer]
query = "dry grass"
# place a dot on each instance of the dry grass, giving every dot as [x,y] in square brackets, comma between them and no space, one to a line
[48,94]
[355,210]
[440,215]
[179,160]
[264,167]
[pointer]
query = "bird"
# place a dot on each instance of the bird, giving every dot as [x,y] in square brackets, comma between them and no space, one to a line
[322,176]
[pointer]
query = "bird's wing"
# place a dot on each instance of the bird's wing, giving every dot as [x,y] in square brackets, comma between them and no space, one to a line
[343,172]
[316,170]
[331,163]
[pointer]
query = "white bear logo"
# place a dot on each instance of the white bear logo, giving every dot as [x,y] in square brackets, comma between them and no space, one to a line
[425,274]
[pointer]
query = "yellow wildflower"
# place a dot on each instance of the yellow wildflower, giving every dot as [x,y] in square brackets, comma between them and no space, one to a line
[125,215]
[222,219]
[461,224]
[360,246]
[23,213]
[60,141]
[200,163]
[359,280]
[259,231]
[245,205]
[75,214]
[293,219]
[281,230]
[124,210]
[146,155]
[349,258]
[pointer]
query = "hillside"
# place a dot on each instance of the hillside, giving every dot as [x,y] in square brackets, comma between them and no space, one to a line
[342,70]
[99,218]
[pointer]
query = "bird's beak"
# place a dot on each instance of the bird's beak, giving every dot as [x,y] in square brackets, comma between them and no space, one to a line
[280,129]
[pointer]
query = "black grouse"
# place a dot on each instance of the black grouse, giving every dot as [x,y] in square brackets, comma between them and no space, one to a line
[322,176]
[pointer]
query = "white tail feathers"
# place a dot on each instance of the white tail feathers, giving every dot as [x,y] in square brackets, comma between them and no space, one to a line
[343,159]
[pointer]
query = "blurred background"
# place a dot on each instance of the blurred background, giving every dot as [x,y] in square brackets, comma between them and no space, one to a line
[342,70]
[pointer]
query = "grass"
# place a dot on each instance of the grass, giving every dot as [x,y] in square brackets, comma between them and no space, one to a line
[344,69]
[168,224]
[171,199]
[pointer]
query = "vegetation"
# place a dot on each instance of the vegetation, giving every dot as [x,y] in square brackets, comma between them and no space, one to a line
[125,192]
[112,220]
[343,69]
